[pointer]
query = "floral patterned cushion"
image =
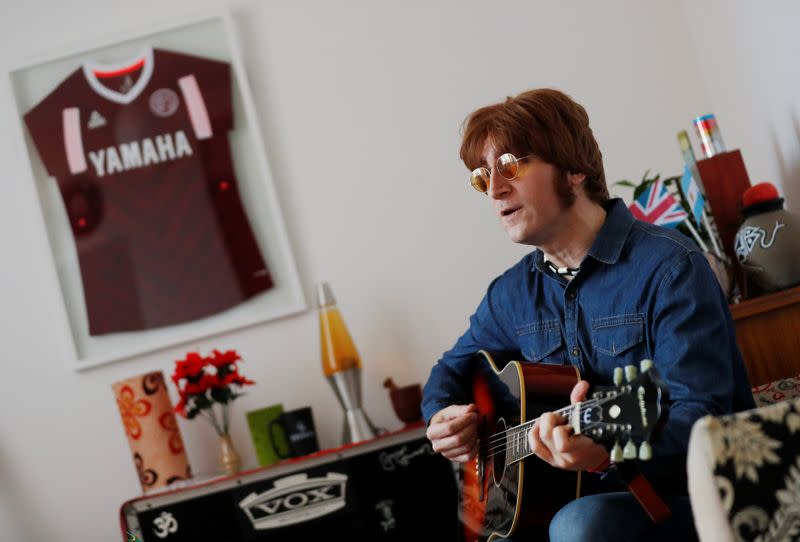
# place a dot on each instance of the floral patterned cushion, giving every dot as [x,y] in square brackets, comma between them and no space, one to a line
[779,390]
[756,468]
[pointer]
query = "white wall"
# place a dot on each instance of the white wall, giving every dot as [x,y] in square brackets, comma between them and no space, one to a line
[748,52]
[361,104]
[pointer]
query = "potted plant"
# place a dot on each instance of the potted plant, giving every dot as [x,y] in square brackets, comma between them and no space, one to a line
[206,386]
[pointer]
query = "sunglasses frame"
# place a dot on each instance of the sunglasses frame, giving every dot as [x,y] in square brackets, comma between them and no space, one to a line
[475,179]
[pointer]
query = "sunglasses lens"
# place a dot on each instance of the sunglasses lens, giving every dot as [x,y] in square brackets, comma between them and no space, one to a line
[508,165]
[480,179]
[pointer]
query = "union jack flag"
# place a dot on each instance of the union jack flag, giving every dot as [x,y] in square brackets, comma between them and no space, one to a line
[658,206]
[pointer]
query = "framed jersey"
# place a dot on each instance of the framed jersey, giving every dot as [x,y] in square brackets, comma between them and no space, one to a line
[161,216]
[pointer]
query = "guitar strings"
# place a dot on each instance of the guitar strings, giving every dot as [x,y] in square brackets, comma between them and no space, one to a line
[520,437]
[516,440]
[498,437]
[519,434]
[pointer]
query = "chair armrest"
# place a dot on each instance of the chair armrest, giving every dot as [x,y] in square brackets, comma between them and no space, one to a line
[744,471]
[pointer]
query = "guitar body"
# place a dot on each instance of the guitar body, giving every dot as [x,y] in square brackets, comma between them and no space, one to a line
[492,495]
[623,417]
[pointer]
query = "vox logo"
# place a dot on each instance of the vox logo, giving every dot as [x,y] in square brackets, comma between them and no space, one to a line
[295,499]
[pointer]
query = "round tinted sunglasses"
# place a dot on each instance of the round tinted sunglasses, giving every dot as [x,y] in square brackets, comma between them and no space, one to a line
[506,165]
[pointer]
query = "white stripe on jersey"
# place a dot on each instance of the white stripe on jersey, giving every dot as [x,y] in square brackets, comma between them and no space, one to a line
[73,143]
[196,107]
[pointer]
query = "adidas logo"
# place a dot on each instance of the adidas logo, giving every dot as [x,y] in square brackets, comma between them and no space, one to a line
[96,120]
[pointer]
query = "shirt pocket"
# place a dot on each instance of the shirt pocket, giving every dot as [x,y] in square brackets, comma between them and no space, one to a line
[541,341]
[618,340]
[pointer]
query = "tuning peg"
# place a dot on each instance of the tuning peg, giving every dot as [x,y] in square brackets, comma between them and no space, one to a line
[617,376]
[630,373]
[645,365]
[630,450]
[645,451]
[616,454]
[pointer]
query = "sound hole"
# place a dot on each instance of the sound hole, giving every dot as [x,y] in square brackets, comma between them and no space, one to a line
[498,456]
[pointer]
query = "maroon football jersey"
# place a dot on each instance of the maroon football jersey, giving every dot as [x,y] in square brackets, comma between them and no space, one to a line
[141,155]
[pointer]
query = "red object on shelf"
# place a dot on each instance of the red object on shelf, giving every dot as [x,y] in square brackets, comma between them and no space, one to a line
[725,180]
[759,193]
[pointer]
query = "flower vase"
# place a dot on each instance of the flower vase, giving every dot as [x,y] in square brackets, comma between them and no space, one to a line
[229,458]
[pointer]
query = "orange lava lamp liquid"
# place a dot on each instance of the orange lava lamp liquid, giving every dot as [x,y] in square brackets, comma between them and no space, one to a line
[338,351]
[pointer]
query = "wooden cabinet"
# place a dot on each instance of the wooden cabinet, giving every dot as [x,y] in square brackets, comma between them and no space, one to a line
[768,332]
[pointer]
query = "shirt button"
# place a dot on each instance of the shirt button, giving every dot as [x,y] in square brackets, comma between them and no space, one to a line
[576,351]
[571,296]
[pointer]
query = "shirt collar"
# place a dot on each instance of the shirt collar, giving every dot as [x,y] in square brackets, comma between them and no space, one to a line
[610,239]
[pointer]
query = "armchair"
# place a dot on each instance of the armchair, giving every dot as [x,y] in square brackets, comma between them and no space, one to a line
[744,469]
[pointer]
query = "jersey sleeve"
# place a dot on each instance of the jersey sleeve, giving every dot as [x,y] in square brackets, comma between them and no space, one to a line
[45,123]
[207,82]
[217,79]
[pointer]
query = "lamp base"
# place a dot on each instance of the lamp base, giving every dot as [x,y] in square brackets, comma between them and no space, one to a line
[357,427]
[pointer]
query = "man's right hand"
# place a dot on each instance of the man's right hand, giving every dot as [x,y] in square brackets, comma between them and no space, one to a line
[453,432]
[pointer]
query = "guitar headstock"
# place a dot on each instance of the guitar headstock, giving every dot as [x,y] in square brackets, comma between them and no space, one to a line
[623,417]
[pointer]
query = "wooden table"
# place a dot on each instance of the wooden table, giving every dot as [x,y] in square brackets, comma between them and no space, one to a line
[768,333]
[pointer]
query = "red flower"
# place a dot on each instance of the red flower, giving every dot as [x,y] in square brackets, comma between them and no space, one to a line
[201,386]
[190,367]
[233,378]
[219,359]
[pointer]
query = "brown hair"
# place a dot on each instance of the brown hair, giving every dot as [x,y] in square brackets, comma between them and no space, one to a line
[545,122]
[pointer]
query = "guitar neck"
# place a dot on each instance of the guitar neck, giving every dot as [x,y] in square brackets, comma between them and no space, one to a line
[517,446]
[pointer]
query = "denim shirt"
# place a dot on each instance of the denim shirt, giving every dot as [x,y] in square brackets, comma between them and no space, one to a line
[643,291]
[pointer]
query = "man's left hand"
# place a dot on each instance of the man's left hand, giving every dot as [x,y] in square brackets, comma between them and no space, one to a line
[552,439]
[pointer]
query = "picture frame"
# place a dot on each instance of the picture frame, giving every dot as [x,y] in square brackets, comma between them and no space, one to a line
[212,36]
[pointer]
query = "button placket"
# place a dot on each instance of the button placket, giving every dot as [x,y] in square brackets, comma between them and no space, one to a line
[571,326]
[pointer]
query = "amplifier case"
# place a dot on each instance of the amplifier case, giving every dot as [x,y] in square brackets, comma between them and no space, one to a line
[391,488]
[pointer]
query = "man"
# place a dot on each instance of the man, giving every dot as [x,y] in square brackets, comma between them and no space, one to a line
[601,290]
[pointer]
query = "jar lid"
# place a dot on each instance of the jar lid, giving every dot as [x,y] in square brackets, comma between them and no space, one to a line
[759,193]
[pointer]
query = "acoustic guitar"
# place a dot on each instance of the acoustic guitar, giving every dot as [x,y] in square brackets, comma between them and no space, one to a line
[501,493]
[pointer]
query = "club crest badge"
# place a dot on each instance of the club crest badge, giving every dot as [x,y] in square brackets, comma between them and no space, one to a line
[164,102]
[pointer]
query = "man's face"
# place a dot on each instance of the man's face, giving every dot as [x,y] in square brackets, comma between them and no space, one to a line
[528,206]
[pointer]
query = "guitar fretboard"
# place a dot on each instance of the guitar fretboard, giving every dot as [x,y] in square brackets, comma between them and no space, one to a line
[517,447]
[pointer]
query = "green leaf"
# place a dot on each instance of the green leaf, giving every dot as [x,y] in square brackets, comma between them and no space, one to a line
[642,187]
[201,401]
[221,395]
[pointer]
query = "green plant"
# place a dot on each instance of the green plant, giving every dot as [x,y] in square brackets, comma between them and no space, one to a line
[205,381]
